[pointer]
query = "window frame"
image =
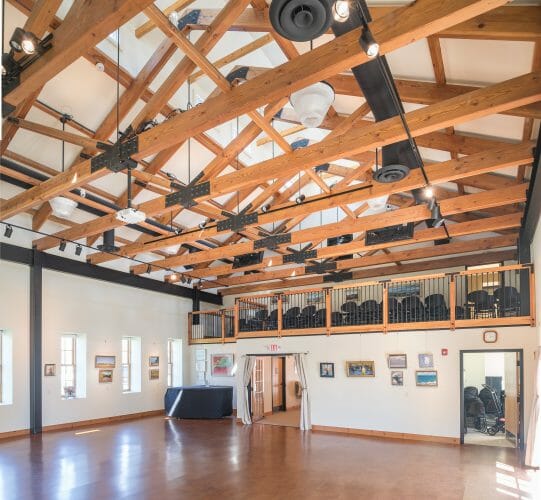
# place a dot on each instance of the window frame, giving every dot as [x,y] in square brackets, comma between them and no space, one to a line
[170,362]
[128,364]
[73,364]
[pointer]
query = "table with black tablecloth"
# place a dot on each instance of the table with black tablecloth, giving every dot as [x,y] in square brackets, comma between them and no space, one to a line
[200,401]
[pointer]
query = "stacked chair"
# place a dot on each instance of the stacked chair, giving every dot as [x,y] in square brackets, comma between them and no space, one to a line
[436,308]
[507,301]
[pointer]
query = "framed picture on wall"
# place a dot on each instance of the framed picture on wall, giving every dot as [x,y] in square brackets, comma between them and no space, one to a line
[397,361]
[428,378]
[222,365]
[200,354]
[426,360]
[360,369]
[49,370]
[326,370]
[105,376]
[397,377]
[154,374]
[154,361]
[105,361]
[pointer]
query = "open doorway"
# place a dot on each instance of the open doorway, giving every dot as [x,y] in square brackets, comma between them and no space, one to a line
[491,402]
[275,391]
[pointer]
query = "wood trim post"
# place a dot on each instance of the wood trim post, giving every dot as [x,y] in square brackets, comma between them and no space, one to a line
[385,307]
[236,319]
[452,301]
[532,297]
[280,315]
[328,310]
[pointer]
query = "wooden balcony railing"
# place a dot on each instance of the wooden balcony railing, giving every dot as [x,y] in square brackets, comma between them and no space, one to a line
[495,296]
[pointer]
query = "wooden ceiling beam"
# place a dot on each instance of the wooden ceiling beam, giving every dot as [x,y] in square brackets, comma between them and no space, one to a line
[387,257]
[412,214]
[446,263]
[149,25]
[84,25]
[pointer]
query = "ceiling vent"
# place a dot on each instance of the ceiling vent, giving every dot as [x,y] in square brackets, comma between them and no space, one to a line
[391,173]
[301,20]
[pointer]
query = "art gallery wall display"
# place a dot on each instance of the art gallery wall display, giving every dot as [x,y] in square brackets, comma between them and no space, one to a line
[326,370]
[49,370]
[426,360]
[397,361]
[154,374]
[360,369]
[222,365]
[154,361]
[105,361]
[397,377]
[105,376]
[427,378]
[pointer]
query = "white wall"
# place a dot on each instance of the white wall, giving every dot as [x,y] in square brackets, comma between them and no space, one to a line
[478,366]
[373,403]
[536,260]
[103,313]
[14,317]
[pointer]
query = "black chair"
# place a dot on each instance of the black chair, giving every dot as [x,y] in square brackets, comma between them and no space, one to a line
[351,313]
[272,321]
[482,304]
[395,310]
[336,318]
[459,312]
[243,325]
[370,312]
[474,410]
[256,323]
[436,308]
[507,301]
[291,317]
[413,309]
[307,317]
[320,318]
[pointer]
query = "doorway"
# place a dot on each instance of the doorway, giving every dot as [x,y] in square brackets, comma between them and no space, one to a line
[275,395]
[491,384]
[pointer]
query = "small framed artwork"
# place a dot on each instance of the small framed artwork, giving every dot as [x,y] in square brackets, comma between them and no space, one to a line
[397,361]
[49,370]
[154,374]
[105,376]
[426,361]
[200,354]
[326,370]
[397,377]
[222,365]
[105,362]
[154,361]
[427,378]
[360,369]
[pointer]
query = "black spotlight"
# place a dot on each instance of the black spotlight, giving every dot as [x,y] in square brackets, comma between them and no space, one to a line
[183,279]
[78,250]
[368,43]
[24,41]
[300,199]
[62,246]
[189,280]
[301,20]
[9,231]
[265,208]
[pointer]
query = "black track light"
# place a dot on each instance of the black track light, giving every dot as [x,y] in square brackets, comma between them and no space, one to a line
[189,280]
[368,43]
[265,208]
[149,268]
[24,41]
[300,199]
[8,231]
[183,279]
[62,245]
[78,250]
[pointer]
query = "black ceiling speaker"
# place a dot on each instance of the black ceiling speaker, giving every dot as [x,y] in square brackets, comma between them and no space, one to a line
[301,20]
[391,173]
[108,242]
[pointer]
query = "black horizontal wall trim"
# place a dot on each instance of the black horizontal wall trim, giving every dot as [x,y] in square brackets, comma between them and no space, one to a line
[21,255]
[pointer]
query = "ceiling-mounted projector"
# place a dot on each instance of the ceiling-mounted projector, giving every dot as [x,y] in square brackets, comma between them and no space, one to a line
[131,216]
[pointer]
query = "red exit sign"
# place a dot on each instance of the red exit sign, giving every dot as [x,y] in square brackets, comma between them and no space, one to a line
[273,347]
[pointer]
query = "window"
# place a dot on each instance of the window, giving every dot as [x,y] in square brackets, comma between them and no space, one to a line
[126,364]
[68,366]
[6,379]
[174,362]
[131,364]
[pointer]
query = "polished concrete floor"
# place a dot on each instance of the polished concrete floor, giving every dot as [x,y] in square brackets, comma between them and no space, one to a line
[289,418]
[159,459]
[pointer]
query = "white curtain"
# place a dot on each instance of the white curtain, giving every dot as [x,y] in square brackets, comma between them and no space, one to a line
[533,442]
[305,424]
[249,364]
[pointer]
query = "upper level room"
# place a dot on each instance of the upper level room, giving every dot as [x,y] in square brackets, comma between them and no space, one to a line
[239,148]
